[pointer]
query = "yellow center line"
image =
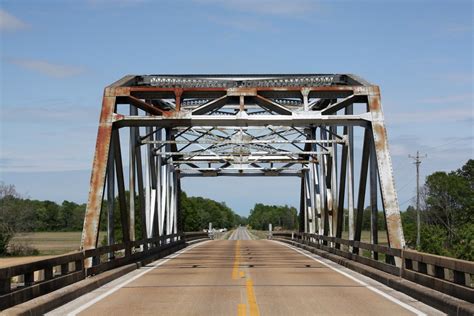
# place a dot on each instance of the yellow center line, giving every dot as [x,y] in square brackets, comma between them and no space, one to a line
[241,310]
[252,300]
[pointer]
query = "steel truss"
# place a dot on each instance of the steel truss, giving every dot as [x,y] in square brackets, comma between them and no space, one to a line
[242,125]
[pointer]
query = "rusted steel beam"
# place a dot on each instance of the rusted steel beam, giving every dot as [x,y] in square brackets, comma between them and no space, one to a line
[90,231]
[147,107]
[229,113]
[384,164]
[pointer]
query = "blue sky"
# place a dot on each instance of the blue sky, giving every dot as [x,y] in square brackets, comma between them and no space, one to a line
[56,57]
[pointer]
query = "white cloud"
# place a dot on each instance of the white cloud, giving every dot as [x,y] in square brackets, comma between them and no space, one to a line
[243,24]
[448,99]
[47,68]
[10,23]
[266,7]
[455,29]
[439,115]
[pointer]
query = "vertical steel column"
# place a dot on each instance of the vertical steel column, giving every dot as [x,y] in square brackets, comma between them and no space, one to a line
[373,198]
[176,202]
[323,193]
[110,199]
[308,202]
[342,189]
[124,215]
[384,164]
[131,174]
[148,186]
[140,185]
[180,218]
[302,219]
[350,173]
[90,231]
[327,200]
[316,185]
[333,223]
[362,186]
[159,180]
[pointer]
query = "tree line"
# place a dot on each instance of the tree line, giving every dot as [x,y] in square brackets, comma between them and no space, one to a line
[280,216]
[199,212]
[19,214]
[447,214]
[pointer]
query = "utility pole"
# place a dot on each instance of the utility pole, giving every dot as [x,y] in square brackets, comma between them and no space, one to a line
[417,162]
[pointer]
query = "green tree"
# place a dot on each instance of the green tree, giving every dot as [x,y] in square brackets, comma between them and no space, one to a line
[447,226]
[449,199]
[279,216]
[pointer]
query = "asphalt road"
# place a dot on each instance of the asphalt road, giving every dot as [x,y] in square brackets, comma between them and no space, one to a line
[243,277]
[241,233]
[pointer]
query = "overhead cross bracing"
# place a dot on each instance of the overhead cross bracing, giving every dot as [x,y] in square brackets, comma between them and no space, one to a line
[303,125]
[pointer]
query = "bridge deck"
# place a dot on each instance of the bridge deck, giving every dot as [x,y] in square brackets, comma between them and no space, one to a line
[243,277]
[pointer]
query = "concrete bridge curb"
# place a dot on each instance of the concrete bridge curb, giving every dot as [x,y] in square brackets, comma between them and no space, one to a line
[48,302]
[440,301]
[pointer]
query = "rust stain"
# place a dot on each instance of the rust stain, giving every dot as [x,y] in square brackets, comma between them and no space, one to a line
[394,230]
[243,91]
[178,93]
[91,220]
[121,91]
[374,104]
[379,136]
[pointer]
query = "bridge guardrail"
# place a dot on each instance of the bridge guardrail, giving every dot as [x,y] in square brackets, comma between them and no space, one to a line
[20,283]
[447,275]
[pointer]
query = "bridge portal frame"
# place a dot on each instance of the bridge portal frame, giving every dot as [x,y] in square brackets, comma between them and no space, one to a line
[171,117]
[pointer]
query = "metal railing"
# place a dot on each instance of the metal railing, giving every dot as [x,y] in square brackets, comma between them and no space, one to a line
[20,283]
[447,275]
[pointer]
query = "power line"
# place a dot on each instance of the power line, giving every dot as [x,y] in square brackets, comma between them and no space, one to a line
[408,200]
[406,184]
[455,141]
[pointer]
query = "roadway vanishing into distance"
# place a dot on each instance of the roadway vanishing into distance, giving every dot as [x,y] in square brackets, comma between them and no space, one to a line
[241,233]
[244,277]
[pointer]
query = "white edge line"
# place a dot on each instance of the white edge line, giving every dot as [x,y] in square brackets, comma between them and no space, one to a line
[387,296]
[119,286]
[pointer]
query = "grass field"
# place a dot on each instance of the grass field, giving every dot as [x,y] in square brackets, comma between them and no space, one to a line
[50,243]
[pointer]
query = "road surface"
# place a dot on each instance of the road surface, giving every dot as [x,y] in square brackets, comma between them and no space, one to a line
[243,277]
[241,233]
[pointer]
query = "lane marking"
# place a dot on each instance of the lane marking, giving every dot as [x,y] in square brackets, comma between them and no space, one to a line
[119,286]
[242,274]
[235,269]
[252,300]
[241,310]
[373,289]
